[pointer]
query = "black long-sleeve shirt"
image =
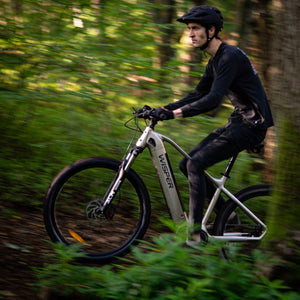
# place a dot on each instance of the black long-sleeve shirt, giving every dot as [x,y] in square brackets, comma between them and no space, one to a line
[229,73]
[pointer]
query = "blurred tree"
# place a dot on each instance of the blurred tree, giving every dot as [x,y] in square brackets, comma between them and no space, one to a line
[263,29]
[244,16]
[255,31]
[163,14]
[194,56]
[285,208]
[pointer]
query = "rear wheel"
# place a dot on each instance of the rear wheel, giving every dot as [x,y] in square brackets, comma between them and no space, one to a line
[233,221]
[72,214]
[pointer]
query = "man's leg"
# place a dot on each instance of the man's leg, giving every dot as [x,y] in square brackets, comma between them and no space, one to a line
[218,149]
[197,178]
[218,146]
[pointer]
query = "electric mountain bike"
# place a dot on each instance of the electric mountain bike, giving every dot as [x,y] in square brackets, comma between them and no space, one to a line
[104,204]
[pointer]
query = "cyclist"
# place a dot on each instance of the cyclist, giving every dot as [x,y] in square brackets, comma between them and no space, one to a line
[229,72]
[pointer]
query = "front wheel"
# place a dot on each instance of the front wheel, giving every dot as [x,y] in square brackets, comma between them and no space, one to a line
[233,221]
[72,216]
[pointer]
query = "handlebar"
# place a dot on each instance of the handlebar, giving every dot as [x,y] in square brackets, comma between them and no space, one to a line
[147,113]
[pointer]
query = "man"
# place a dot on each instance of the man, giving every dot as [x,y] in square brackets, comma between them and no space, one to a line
[229,72]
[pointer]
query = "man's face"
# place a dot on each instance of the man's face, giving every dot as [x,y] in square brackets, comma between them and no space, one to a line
[197,34]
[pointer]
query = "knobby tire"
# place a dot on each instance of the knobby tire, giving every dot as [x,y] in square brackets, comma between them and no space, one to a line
[71,217]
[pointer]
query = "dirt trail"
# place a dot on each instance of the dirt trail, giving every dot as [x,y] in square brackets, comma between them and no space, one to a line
[23,244]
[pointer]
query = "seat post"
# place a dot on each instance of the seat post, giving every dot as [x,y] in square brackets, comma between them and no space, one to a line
[230,165]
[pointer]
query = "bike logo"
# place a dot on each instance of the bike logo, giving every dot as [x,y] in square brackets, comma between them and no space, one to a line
[166,171]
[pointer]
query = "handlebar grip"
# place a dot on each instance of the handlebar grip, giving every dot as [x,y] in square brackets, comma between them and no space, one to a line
[145,112]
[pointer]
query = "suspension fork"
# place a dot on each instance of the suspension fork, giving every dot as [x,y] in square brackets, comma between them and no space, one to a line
[124,168]
[119,178]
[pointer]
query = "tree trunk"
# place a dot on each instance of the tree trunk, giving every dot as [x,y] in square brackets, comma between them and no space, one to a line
[244,10]
[262,27]
[162,14]
[284,229]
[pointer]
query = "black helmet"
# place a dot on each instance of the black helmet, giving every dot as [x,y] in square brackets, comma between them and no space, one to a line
[205,15]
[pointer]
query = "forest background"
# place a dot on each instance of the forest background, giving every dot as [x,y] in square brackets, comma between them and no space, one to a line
[71,71]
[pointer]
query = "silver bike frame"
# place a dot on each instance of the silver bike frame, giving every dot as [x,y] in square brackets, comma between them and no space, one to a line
[155,142]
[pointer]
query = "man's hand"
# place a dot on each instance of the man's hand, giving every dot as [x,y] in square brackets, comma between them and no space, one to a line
[145,111]
[163,114]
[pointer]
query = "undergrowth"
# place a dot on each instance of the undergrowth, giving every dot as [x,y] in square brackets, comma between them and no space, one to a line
[162,269]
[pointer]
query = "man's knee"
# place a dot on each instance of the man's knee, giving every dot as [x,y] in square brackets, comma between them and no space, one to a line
[194,167]
[188,166]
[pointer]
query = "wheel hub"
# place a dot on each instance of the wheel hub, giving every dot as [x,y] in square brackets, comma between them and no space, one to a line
[93,212]
[96,215]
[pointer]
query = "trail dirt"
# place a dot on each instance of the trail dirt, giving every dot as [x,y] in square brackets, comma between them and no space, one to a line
[23,245]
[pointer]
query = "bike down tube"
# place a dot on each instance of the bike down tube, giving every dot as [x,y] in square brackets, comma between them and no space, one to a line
[165,174]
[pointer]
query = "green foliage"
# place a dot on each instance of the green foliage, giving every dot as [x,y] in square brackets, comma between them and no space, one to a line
[161,269]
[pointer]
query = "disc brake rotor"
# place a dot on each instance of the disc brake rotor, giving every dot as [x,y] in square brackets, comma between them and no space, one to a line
[93,212]
[95,215]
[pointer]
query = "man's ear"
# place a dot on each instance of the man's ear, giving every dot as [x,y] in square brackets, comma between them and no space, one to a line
[211,31]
